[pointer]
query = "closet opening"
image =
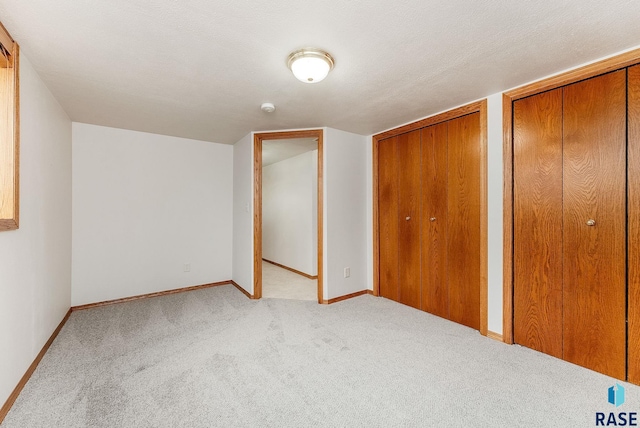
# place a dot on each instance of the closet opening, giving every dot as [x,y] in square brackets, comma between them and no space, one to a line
[572,216]
[430,215]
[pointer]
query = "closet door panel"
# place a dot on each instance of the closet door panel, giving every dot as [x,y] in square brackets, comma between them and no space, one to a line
[594,253]
[435,288]
[463,249]
[388,217]
[537,223]
[633,150]
[409,221]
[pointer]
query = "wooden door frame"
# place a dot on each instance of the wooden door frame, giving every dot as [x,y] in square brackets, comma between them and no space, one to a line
[601,67]
[475,107]
[258,138]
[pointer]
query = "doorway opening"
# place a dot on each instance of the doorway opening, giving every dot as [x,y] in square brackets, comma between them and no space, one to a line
[285,236]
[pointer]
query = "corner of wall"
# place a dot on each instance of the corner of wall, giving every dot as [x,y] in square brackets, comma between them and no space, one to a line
[242,247]
[36,271]
[494,212]
[345,208]
[369,190]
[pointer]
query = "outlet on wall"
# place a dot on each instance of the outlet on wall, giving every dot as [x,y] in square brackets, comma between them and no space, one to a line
[187,267]
[347,272]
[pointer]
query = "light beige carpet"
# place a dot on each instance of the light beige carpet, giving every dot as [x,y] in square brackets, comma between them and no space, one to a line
[213,358]
[279,283]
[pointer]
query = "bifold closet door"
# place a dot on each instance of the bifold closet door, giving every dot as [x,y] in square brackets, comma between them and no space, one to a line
[388,217]
[594,223]
[537,222]
[409,218]
[435,287]
[633,233]
[463,222]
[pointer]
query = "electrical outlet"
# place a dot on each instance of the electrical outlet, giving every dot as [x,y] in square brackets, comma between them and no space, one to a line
[187,267]
[347,272]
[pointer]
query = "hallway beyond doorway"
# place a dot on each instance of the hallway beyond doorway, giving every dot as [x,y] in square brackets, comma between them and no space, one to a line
[279,283]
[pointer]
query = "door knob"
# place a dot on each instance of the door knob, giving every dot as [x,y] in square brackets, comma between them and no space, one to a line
[591,222]
[432,219]
[408,218]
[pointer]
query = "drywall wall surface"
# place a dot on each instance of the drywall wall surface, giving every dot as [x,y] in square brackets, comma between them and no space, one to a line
[494,211]
[243,213]
[35,267]
[150,213]
[345,208]
[314,213]
[289,212]
[369,208]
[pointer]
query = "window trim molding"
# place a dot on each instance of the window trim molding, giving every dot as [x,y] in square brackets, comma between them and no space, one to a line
[12,221]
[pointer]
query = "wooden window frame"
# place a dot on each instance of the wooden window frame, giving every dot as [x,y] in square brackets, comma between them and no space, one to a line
[10,146]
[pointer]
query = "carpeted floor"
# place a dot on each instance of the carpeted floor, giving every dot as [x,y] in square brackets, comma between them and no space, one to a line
[213,358]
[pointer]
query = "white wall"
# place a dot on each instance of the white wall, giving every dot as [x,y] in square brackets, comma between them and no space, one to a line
[494,211]
[243,213]
[289,212]
[369,208]
[143,206]
[345,212]
[35,267]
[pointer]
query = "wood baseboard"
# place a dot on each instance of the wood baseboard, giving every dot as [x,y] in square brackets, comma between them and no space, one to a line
[147,296]
[346,296]
[291,269]
[18,389]
[245,292]
[495,336]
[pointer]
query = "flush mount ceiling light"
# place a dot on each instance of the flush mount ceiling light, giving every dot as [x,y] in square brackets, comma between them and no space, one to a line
[310,65]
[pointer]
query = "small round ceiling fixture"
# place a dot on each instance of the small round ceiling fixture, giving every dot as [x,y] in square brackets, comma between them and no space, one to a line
[268,107]
[310,65]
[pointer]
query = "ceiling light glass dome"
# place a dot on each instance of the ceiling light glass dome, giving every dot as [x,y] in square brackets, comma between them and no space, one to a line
[310,65]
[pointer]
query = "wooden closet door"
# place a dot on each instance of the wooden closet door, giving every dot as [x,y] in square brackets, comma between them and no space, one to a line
[537,222]
[388,217]
[463,221]
[633,232]
[409,218]
[435,287]
[594,254]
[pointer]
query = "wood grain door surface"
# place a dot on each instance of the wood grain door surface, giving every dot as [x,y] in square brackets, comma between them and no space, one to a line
[633,223]
[570,178]
[435,276]
[463,222]
[409,218]
[388,217]
[594,223]
[429,219]
[537,222]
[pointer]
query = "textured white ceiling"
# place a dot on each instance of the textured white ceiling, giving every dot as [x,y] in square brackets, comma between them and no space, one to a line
[278,150]
[201,68]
